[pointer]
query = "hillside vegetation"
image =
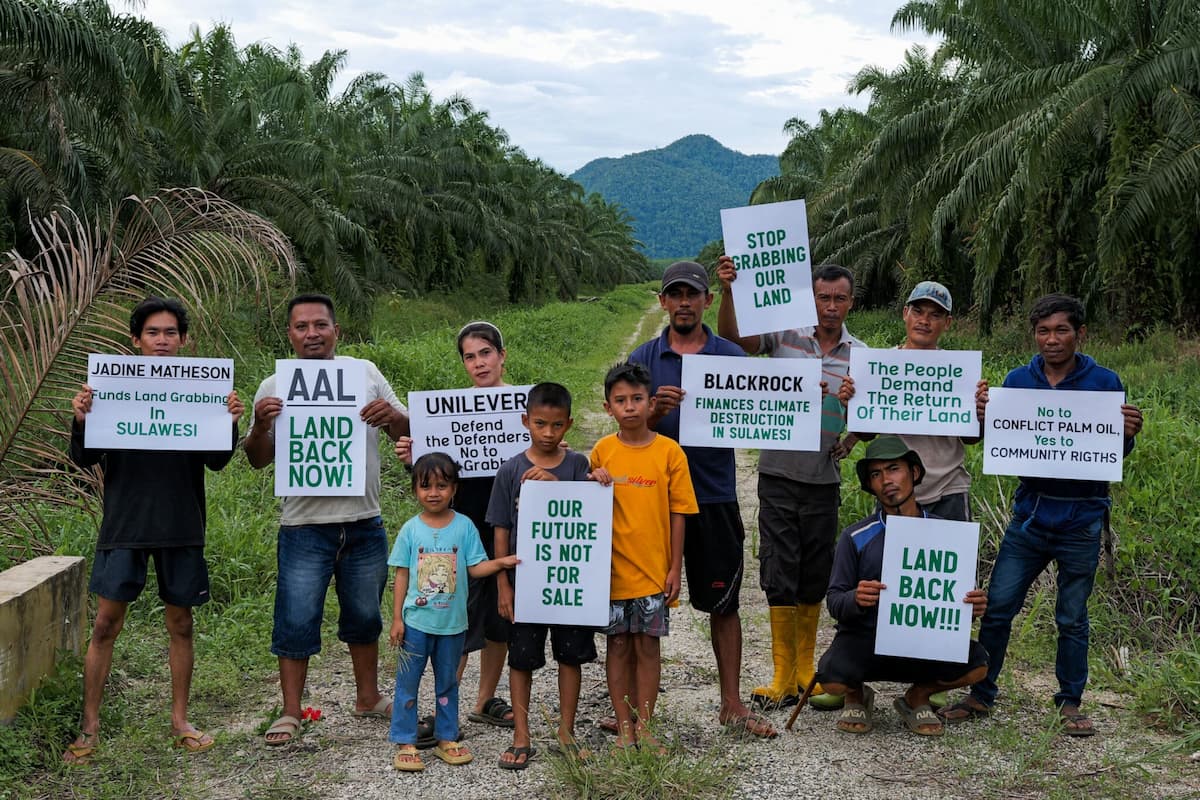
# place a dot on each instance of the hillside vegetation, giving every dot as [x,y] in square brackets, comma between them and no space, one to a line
[675,194]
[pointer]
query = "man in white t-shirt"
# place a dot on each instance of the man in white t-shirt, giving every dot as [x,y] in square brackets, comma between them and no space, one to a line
[945,490]
[327,537]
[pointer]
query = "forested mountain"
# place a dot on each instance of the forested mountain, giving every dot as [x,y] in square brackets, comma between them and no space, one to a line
[675,194]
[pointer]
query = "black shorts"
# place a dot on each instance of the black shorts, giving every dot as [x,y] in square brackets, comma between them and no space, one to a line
[484,623]
[181,572]
[851,660]
[713,557]
[797,529]
[571,645]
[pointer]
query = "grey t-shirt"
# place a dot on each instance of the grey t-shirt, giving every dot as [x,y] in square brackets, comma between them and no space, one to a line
[502,508]
[301,510]
[808,466]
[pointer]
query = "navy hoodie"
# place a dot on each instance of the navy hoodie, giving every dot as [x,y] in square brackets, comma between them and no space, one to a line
[1056,503]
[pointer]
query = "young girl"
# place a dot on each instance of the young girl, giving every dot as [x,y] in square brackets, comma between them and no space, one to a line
[442,548]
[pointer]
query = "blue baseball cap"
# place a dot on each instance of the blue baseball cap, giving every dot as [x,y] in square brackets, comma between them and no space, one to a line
[932,291]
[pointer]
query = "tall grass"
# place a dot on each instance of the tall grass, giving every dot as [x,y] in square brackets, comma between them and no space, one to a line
[1149,600]
[414,346]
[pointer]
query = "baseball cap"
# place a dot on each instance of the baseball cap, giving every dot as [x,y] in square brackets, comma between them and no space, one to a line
[887,448]
[688,272]
[932,291]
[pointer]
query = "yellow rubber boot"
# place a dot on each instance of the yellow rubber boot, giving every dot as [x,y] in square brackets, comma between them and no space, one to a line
[781,692]
[808,618]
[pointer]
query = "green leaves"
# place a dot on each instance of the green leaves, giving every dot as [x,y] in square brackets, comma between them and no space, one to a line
[74,297]
[1042,147]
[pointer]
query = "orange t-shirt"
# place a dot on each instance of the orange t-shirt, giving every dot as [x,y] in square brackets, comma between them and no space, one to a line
[650,482]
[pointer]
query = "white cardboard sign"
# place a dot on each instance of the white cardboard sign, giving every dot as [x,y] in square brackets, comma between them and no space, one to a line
[914,391]
[769,246]
[1040,433]
[158,403]
[478,428]
[320,440]
[928,568]
[564,541]
[764,403]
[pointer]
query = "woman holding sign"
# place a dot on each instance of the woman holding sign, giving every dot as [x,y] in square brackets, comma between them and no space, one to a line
[481,348]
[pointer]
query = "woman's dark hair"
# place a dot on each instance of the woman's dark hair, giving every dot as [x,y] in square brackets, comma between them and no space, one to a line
[153,305]
[480,329]
[434,465]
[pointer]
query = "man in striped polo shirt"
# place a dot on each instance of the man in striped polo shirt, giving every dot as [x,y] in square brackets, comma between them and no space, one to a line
[799,492]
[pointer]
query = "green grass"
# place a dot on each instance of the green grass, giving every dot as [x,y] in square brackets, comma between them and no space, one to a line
[1149,607]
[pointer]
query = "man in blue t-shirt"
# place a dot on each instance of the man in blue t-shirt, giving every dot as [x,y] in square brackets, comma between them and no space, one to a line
[1053,520]
[713,544]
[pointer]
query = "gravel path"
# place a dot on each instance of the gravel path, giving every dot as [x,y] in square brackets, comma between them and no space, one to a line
[1010,755]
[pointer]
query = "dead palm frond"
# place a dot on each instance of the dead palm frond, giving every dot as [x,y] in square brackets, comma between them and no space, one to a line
[72,297]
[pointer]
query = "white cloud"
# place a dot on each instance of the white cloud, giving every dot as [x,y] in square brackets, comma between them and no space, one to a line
[572,80]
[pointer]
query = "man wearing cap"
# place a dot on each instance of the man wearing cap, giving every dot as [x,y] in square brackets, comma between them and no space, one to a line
[799,492]
[945,490]
[713,544]
[891,471]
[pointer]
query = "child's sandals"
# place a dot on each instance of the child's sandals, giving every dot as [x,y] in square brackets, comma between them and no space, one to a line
[408,759]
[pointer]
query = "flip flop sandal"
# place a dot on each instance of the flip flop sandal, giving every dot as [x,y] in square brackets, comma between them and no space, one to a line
[407,759]
[425,737]
[381,710]
[858,714]
[193,741]
[453,753]
[751,725]
[962,711]
[494,711]
[81,754]
[285,724]
[1071,721]
[914,718]
[517,752]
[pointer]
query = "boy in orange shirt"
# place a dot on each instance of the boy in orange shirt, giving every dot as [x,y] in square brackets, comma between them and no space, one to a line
[652,493]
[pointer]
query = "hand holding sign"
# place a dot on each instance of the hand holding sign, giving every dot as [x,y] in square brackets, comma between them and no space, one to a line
[928,576]
[768,245]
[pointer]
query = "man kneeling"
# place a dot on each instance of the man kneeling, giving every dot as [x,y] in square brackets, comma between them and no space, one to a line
[889,470]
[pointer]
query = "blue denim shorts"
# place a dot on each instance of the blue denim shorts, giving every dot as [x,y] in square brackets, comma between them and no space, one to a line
[352,554]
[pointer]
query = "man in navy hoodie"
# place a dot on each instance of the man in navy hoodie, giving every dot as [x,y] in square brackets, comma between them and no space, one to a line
[1053,520]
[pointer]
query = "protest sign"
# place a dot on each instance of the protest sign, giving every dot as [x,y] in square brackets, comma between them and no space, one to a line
[478,428]
[769,246]
[1046,434]
[320,440]
[914,391]
[767,403]
[159,403]
[564,541]
[928,568]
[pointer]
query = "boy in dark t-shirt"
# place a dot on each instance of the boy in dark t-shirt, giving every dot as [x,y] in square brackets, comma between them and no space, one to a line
[548,418]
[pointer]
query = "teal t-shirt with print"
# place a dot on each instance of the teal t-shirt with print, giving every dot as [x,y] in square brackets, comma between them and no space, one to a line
[437,561]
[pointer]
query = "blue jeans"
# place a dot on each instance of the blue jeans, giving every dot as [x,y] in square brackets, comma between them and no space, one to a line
[444,652]
[354,555]
[1025,551]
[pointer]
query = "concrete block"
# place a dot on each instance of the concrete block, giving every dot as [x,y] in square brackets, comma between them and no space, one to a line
[43,609]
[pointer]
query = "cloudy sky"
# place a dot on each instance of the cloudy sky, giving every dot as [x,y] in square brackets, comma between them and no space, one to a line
[573,80]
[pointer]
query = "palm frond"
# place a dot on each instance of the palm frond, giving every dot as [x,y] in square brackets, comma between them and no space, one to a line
[72,297]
